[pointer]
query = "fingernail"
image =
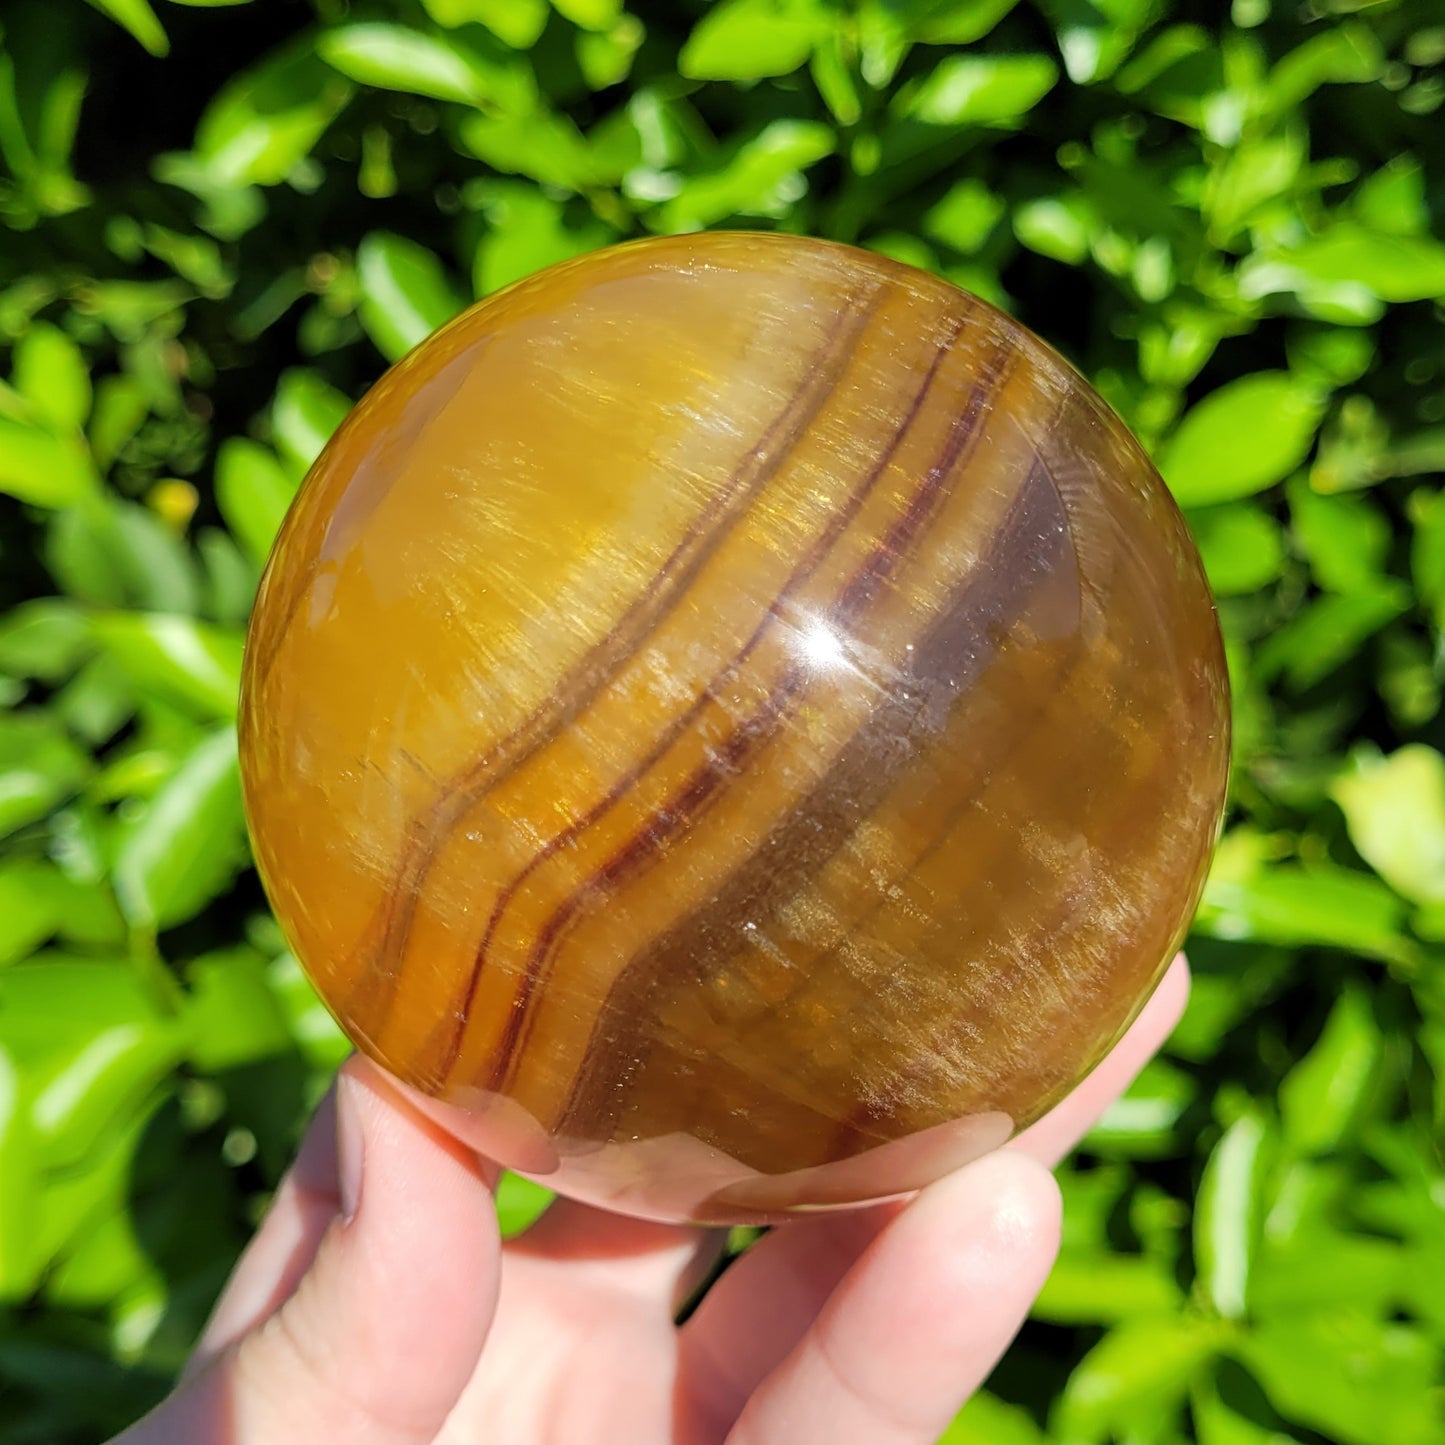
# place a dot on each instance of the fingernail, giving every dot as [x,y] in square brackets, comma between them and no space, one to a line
[349,1145]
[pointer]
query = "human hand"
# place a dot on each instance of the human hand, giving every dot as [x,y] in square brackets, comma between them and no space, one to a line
[377,1305]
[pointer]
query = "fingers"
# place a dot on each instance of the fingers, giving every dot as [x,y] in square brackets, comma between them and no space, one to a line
[762,1306]
[1056,1134]
[284,1246]
[917,1324]
[377,1339]
[658,1263]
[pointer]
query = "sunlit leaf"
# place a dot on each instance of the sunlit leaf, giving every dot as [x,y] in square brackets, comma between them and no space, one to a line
[763,179]
[527,230]
[138,18]
[395,57]
[1136,1372]
[1229,1214]
[750,39]
[1242,438]
[518,23]
[405,292]
[1358,1380]
[987,1420]
[979,90]
[519,1202]
[189,842]
[265,122]
[1395,809]
[39,767]
[1242,547]
[253,491]
[1293,906]
[187,662]
[51,374]
[46,470]
[305,413]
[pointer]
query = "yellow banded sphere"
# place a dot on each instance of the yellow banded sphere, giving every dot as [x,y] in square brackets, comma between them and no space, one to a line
[737,723]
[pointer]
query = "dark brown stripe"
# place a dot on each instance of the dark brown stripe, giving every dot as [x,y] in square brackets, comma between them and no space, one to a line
[706,784]
[945,661]
[455,1023]
[376,984]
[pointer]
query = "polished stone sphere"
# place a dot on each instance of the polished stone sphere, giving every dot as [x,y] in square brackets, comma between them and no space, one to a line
[738,723]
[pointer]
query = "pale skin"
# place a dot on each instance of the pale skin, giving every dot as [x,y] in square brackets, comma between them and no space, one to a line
[377,1305]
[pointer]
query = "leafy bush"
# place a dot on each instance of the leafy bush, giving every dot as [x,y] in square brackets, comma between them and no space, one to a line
[1231,224]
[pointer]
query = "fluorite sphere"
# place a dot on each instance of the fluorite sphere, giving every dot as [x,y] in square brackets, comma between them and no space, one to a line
[735,722]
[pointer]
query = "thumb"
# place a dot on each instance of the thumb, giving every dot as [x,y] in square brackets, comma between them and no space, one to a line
[382,1330]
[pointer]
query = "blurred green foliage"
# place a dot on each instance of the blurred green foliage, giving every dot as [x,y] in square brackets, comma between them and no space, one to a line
[1230,218]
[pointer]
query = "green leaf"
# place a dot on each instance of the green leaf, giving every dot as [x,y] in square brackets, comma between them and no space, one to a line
[186,662]
[1137,1372]
[518,23]
[253,491]
[764,178]
[121,407]
[233,1017]
[1427,551]
[1060,227]
[139,19]
[1346,538]
[264,123]
[39,768]
[1229,1214]
[405,292]
[1347,54]
[1329,632]
[1349,259]
[38,901]
[527,230]
[590,14]
[988,90]
[230,579]
[605,56]
[1242,547]
[21,1262]
[746,40]
[1242,438]
[51,374]
[1317,1268]
[312,1027]
[115,554]
[965,216]
[1336,356]
[955,22]
[1324,1095]
[46,470]
[1296,907]
[987,1420]
[1393,201]
[304,415]
[1395,809]
[1141,1124]
[47,638]
[1095,36]
[396,57]
[188,844]
[833,73]
[1098,1288]
[519,1203]
[541,144]
[1355,1379]
[91,1043]
[1249,177]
